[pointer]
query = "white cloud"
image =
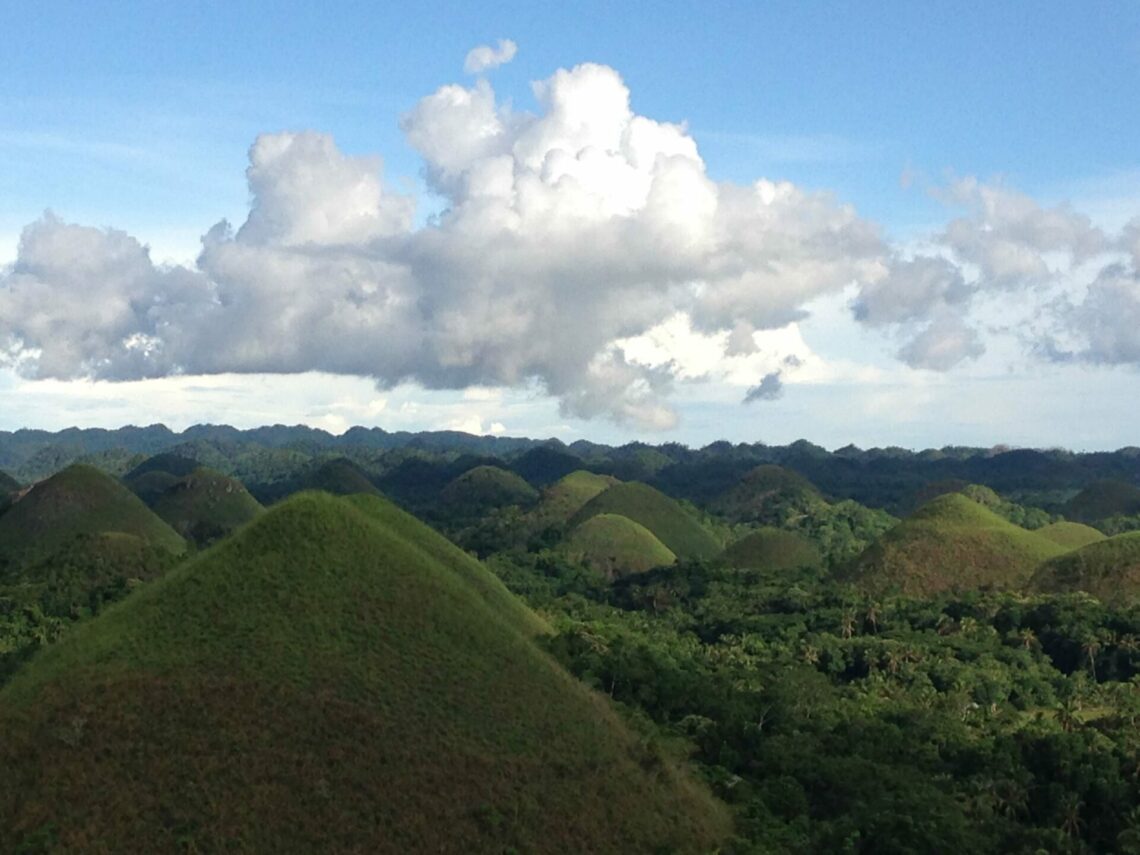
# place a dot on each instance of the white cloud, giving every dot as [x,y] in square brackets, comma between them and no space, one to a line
[484,57]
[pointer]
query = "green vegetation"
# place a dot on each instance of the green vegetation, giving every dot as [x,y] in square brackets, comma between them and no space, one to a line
[340,476]
[614,545]
[764,493]
[565,497]
[1071,535]
[206,505]
[80,500]
[483,488]
[950,544]
[8,484]
[668,521]
[772,549]
[1108,569]
[320,682]
[1103,499]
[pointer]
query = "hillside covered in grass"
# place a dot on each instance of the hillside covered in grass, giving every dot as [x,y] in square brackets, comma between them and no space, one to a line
[772,549]
[614,546]
[485,488]
[206,505]
[763,492]
[322,682]
[670,523]
[80,500]
[566,496]
[1071,535]
[1109,569]
[950,544]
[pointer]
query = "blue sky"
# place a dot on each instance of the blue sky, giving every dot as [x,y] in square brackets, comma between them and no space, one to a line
[140,117]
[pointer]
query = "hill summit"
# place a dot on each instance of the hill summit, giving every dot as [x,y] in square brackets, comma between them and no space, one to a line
[331,678]
[670,523]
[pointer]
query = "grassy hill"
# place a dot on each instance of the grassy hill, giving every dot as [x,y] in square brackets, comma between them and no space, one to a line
[206,505]
[763,492]
[1103,499]
[950,544]
[1108,569]
[565,497]
[1071,535]
[325,682]
[773,549]
[614,546]
[157,474]
[675,527]
[484,488]
[340,476]
[80,500]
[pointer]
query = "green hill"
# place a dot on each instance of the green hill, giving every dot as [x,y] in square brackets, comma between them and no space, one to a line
[8,484]
[1103,499]
[615,546]
[484,488]
[565,497]
[321,682]
[80,500]
[206,505]
[675,527]
[340,476]
[772,549]
[172,463]
[950,544]
[1108,569]
[766,494]
[1071,535]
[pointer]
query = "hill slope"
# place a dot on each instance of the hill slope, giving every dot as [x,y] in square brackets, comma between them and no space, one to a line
[1071,535]
[614,545]
[763,492]
[339,476]
[1108,569]
[950,544]
[484,488]
[668,521]
[8,484]
[1103,499]
[206,505]
[772,549]
[80,500]
[319,682]
[566,496]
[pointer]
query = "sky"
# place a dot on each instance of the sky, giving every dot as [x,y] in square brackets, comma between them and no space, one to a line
[879,223]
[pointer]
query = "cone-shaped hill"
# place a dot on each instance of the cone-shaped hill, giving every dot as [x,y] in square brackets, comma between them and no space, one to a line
[322,682]
[566,496]
[78,501]
[1103,499]
[670,523]
[1108,569]
[485,488]
[340,476]
[1071,535]
[763,492]
[772,549]
[614,546]
[544,465]
[155,475]
[950,544]
[206,505]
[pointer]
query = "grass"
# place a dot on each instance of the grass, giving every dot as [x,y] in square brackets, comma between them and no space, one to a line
[325,680]
[565,497]
[950,544]
[668,521]
[614,546]
[484,488]
[80,500]
[1103,499]
[1108,569]
[761,487]
[1071,535]
[206,505]
[772,549]
[341,477]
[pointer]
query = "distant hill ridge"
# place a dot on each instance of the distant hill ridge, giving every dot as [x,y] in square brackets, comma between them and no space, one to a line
[329,679]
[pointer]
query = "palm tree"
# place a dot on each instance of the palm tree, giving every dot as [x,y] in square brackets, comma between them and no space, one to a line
[1071,821]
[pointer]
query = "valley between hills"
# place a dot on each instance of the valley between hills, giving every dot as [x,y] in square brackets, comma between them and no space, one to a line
[281,640]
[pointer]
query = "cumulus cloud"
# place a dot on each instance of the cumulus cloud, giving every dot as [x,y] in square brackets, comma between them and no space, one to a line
[485,57]
[943,343]
[769,388]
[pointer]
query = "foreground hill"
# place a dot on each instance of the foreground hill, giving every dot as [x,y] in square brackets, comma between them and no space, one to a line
[760,495]
[1108,569]
[1103,499]
[206,505]
[485,488]
[675,527]
[79,501]
[772,549]
[950,544]
[614,546]
[324,681]
[566,496]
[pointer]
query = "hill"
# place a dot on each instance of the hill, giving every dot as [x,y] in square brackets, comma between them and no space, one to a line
[615,546]
[543,465]
[80,500]
[1071,535]
[772,549]
[566,496]
[323,682]
[339,476]
[484,488]
[950,544]
[1103,499]
[206,505]
[675,527]
[8,484]
[157,474]
[1108,569]
[765,494]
